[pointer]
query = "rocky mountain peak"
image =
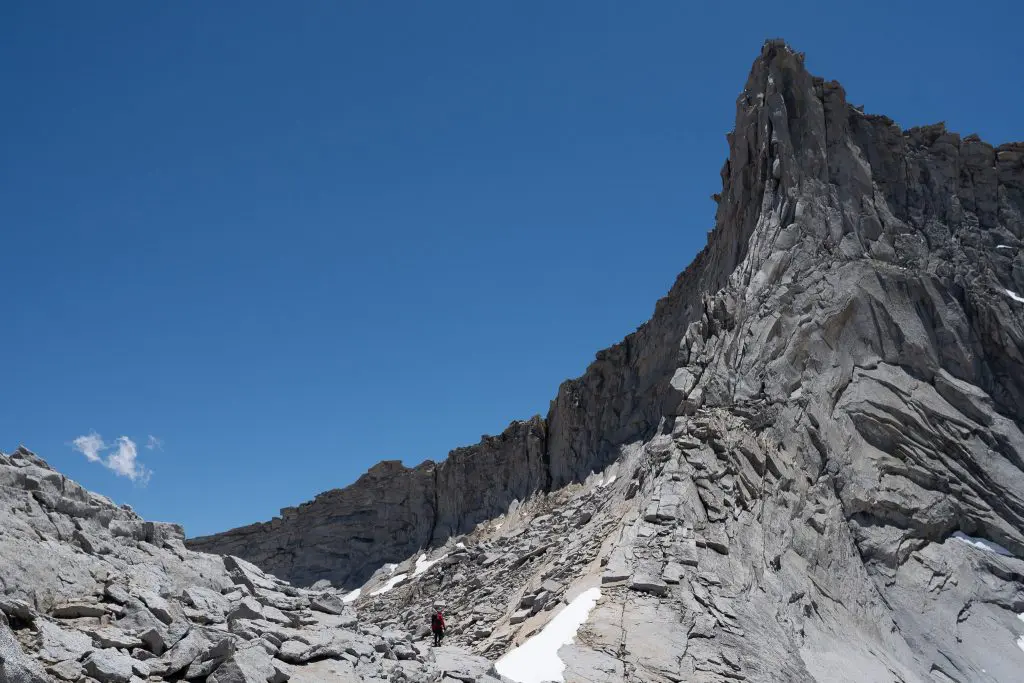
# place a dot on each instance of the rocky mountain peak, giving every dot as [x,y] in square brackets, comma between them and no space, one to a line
[808,465]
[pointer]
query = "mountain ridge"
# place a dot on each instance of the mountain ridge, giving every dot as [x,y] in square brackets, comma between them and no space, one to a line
[635,384]
[807,466]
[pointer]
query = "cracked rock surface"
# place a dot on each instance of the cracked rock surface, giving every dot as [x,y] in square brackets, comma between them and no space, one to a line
[91,592]
[807,466]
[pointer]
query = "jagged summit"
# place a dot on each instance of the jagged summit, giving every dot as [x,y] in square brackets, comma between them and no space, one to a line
[830,392]
[808,465]
[808,178]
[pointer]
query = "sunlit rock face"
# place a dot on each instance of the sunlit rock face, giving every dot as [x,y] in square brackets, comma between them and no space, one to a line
[807,466]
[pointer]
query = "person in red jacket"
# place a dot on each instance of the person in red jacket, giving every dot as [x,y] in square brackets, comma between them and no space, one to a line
[437,625]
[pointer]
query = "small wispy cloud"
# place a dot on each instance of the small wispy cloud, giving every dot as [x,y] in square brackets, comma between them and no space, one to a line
[154,443]
[89,445]
[123,458]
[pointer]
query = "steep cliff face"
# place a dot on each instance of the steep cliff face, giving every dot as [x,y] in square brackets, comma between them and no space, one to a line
[835,487]
[344,535]
[829,392]
[809,467]
[838,486]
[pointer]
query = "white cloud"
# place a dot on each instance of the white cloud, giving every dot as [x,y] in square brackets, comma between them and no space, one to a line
[123,461]
[89,445]
[154,443]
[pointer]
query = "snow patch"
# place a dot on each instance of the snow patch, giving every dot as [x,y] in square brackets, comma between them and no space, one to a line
[537,660]
[392,582]
[351,597]
[1003,246]
[423,564]
[982,543]
[611,480]
[1015,296]
[460,546]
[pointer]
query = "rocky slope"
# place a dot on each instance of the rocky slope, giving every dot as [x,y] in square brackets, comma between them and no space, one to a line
[823,409]
[90,592]
[807,466]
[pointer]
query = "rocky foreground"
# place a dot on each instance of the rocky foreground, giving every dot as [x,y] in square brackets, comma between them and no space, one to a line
[91,592]
[816,439]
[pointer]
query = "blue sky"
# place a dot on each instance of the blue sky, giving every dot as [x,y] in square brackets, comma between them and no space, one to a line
[291,239]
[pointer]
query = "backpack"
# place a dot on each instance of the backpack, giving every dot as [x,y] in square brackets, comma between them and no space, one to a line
[436,621]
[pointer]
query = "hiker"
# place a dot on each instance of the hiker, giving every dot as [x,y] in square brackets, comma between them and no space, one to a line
[437,625]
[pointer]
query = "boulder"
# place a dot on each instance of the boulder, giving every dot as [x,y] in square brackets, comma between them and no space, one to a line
[184,652]
[249,664]
[108,666]
[328,603]
[648,584]
[15,665]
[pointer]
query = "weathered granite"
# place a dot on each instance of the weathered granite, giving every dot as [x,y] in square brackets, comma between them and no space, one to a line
[829,393]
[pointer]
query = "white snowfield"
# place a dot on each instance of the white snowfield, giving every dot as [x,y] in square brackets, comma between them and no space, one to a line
[536,660]
[423,564]
[351,597]
[1015,296]
[982,543]
[392,582]
[1020,641]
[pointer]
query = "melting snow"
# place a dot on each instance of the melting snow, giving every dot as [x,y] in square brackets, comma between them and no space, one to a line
[982,543]
[1003,246]
[1015,296]
[423,564]
[536,660]
[353,595]
[392,582]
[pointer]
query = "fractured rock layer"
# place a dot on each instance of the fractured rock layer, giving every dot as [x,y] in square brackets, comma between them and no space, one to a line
[91,592]
[811,467]
[827,402]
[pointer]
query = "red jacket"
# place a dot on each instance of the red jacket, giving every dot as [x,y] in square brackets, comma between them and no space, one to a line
[437,622]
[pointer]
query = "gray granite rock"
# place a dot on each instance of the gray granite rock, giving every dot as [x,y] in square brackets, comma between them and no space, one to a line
[828,394]
[108,666]
[15,665]
[250,664]
[816,441]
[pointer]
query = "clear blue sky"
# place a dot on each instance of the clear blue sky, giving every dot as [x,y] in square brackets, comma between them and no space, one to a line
[292,239]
